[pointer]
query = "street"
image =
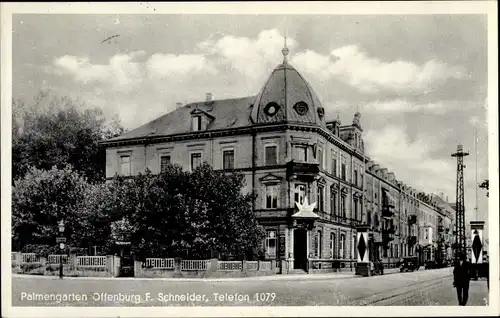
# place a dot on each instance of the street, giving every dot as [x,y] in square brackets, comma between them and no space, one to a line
[431,288]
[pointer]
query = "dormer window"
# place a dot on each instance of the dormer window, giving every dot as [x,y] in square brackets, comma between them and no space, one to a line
[196,123]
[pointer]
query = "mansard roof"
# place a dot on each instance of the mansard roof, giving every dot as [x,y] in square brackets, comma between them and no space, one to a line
[226,113]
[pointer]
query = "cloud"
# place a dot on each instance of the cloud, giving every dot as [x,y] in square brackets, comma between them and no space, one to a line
[122,71]
[401,105]
[228,65]
[249,61]
[411,160]
[170,65]
[371,75]
[126,71]
[251,57]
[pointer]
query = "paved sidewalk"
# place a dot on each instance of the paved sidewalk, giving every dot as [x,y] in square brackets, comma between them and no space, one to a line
[321,276]
[223,279]
[478,295]
[446,295]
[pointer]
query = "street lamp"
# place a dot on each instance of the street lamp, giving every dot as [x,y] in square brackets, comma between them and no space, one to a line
[61,246]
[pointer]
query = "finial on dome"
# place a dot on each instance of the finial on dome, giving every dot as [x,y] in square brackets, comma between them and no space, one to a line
[285,52]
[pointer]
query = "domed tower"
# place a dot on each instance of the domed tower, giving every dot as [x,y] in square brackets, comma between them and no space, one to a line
[287,97]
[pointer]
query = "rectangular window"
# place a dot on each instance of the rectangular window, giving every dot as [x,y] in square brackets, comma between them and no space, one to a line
[271,155]
[125,165]
[196,123]
[333,244]
[353,248]
[195,160]
[300,193]
[271,243]
[342,205]
[334,166]
[164,162]
[342,246]
[301,153]
[320,157]
[355,176]
[355,202]
[271,196]
[333,203]
[321,198]
[343,171]
[228,159]
[318,244]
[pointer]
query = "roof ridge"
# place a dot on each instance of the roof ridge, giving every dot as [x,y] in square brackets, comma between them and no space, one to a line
[221,100]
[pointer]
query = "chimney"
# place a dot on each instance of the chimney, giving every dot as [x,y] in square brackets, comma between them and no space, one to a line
[446,198]
[178,105]
[208,98]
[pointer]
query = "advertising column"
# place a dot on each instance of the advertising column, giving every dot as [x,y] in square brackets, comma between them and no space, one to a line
[363,249]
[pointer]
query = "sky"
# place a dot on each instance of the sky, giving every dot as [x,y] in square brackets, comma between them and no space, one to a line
[419,81]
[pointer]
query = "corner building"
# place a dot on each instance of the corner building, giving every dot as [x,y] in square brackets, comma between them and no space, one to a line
[288,151]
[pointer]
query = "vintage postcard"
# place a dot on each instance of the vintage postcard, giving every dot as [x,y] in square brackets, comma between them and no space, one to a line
[250,159]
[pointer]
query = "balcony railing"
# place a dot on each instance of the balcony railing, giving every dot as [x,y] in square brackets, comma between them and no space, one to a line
[387,211]
[338,219]
[300,169]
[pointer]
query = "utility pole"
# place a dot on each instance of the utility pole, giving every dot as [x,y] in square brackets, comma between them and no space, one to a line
[477,212]
[460,238]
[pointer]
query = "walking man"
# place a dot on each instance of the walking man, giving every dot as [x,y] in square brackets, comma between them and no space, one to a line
[461,279]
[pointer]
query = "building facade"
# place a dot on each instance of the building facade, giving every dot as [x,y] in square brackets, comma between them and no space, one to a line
[289,152]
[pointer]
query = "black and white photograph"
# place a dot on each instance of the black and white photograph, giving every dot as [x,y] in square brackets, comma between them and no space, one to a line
[250,159]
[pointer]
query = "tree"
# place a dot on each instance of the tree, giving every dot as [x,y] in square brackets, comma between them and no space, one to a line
[40,200]
[187,214]
[55,131]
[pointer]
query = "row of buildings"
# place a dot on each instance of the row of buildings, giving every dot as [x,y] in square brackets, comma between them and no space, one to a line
[289,152]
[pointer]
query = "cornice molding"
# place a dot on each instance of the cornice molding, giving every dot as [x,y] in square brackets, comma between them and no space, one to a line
[235,131]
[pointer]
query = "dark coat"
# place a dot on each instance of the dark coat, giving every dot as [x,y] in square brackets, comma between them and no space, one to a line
[462,273]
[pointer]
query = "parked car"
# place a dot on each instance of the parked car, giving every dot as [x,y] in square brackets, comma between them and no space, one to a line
[431,265]
[441,264]
[409,264]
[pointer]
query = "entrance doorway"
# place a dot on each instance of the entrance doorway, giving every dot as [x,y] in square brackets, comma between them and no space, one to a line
[300,249]
[126,268]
